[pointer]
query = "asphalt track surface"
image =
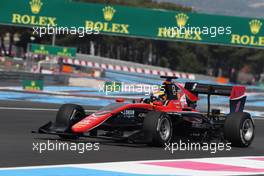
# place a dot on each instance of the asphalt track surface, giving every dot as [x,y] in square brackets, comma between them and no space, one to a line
[18,118]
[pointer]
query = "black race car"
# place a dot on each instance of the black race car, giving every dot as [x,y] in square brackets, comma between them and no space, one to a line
[159,119]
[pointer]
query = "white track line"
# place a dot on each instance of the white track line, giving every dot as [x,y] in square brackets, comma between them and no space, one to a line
[36,109]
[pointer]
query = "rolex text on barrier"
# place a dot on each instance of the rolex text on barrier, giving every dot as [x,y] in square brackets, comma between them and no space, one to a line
[135,22]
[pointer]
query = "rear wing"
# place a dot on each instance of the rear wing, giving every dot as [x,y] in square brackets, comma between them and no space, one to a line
[236,94]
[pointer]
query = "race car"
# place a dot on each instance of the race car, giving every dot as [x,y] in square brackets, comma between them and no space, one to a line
[158,120]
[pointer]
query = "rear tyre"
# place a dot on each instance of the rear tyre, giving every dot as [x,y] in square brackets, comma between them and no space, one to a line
[67,116]
[157,128]
[239,129]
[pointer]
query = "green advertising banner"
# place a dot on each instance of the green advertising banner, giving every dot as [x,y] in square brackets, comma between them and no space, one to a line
[135,22]
[52,50]
[33,85]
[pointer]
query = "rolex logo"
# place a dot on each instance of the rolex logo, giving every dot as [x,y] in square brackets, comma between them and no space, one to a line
[181,19]
[108,13]
[35,6]
[255,26]
[65,50]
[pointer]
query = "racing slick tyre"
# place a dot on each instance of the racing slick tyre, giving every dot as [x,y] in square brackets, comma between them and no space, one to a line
[67,116]
[239,129]
[157,128]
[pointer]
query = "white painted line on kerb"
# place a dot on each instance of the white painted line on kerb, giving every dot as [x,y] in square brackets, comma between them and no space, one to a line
[36,109]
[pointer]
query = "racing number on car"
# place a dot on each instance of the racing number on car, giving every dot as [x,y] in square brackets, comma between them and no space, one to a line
[174,92]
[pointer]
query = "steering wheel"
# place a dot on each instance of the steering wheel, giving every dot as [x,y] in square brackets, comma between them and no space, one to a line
[151,99]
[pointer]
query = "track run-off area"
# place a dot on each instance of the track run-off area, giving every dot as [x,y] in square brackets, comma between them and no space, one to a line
[19,118]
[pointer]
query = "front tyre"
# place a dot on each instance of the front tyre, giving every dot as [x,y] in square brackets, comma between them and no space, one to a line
[157,128]
[239,129]
[67,116]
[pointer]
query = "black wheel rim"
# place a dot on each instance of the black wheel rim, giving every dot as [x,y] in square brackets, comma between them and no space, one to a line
[247,130]
[164,129]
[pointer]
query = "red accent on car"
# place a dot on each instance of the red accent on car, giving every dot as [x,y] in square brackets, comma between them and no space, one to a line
[92,121]
[157,103]
[237,91]
[191,96]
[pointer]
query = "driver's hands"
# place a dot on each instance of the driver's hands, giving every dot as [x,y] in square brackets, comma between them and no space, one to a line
[147,100]
[150,99]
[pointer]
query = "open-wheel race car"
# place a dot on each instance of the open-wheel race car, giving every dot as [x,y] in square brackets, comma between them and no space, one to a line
[159,119]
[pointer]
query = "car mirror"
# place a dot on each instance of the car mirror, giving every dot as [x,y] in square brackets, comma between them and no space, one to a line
[120,100]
